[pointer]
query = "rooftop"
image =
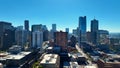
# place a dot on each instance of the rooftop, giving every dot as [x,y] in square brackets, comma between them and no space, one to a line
[75,55]
[15,56]
[91,66]
[49,59]
[50,48]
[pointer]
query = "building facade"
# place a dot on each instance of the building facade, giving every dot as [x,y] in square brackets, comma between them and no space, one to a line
[6,35]
[94,31]
[82,29]
[36,27]
[37,39]
[61,39]
[26,25]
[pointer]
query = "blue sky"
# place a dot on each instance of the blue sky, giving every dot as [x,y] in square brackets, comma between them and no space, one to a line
[64,13]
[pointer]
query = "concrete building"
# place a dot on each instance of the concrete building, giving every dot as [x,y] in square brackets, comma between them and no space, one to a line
[61,39]
[20,36]
[51,61]
[109,61]
[37,39]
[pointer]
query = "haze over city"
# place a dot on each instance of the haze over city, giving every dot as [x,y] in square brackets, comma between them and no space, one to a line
[64,13]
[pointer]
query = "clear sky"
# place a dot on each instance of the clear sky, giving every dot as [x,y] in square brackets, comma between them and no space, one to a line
[64,13]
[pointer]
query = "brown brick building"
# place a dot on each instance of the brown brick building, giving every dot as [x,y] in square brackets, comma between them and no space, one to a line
[60,39]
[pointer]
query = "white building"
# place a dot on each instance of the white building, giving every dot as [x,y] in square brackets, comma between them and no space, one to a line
[19,36]
[50,61]
[37,39]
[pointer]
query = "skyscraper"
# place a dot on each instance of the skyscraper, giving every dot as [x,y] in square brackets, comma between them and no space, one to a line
[37,39]
[82,29]
[94,25]
[26,25]
[94,31]
[52,31]
[73,41]
[74,32]
[67,30]
[54,27]
[6,34]
[45,35]
[19,36]
[27,33]
[36,27]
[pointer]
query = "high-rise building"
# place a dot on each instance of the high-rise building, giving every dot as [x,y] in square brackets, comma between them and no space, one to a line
[73,41]
[82,29]
[54,27]
[26,25]
[20,36]
[52,31]
[4,25]
[36,27]
[74,32]
[27,33]
[37,39]
[61,39]
[94,25]
[6,35]
[94,31]
[67,30]
[8,38]
[44,28]
[89,38]
[45,35]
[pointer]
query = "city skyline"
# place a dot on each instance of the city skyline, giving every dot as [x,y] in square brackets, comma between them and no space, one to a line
[63,13]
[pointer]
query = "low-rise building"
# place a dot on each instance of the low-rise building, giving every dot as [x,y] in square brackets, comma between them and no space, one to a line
[15,60]
[50,61]
[111,61]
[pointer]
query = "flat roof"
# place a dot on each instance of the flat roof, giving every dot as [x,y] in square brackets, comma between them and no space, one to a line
[91,66]
[75,55]
[15,56]
[49,59]
[50,48]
